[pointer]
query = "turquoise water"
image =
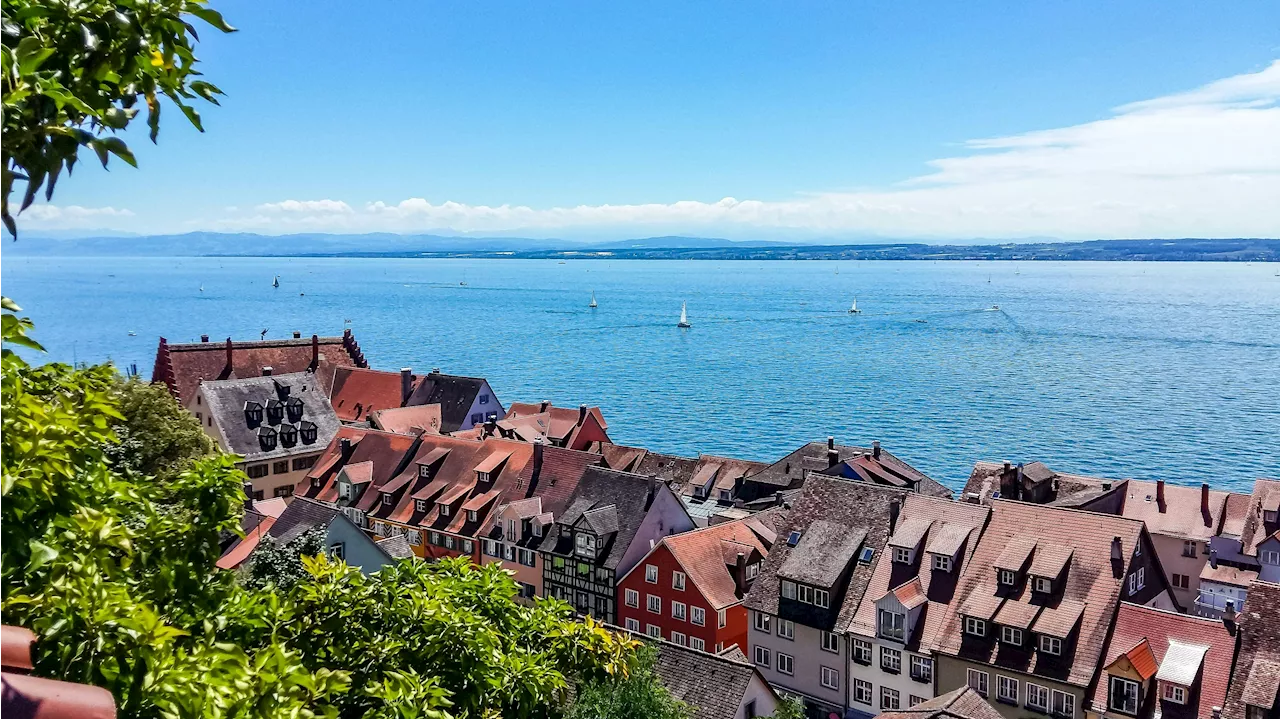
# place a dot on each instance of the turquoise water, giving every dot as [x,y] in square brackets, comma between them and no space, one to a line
[1160,371]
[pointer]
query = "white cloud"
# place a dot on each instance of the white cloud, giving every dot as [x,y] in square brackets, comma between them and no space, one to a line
[1202,163]
[57,217]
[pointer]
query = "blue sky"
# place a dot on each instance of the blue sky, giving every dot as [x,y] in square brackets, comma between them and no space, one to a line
[847,120]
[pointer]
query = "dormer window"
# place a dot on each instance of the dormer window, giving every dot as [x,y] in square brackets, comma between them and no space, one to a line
[726,495]
[804,593]
[1123,696]
[901,555]
[444,510]
[585,545]
[387,499]
[1007,577]
[1269,516]
[253,413]
[700,492]
[1011,635]
[316,482]
[275,411]
[308,431]
[482,476]
[267,438]
[288,435]
[294,409]
[753,571]
[472,515]
[1043,585]
[424,471]
[1050,645]
[1175,693]
[974,626]
[892,625]
[420,505]
[344,490]
[942,562]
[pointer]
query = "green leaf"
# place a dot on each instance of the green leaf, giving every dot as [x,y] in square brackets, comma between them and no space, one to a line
[117,147]
[193,116]
[30,54]
[41,554]
[209,15]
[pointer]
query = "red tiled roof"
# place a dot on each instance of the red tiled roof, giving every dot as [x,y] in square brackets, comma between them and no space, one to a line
[355,392]
[555,478]
[1265,497]
[181,367]
[1086,599]
[1143,660]
[1137,626]
[911,594]
[1257,665]
[408,420]
[385,450]
[701,554]
[241,550]
[1181,513]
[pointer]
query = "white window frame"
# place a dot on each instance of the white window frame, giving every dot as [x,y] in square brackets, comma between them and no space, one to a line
[761,622]
[976,627]
[862,691]
[1133,690]
[678,611]
[861,651]
[721,618]
[890,660]
[698,643]
[1051,645]
[1011,635]
[654,631]
[697,616]
[890,699]
[1037,697]
[1043,585]
[651,573]
[1175,693]
[1269,556]
[761,656]
[677,637]
[653,603]
[1068,700]
[901,555]
[1138,580]
[632,598]
[786,664]
[1006,577]
[831,642]
[979,681]
[788,589]
[677,581]
[1003,685]
[922,668]
[896,626]
[633,624]
[830,678]
[786,628]
[942,562]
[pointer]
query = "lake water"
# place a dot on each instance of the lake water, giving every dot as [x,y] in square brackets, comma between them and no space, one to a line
[1150,370]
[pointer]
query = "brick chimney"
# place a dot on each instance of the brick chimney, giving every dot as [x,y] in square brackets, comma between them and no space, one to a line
[740,573]
[229,365]
[1160,495]
[1204,500]
[315,352]
[1117,552]
[248,496]
[344,447]
[833,454]
[544,405]
[406,383]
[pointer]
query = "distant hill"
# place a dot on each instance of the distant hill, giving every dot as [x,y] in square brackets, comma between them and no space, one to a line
[199,244]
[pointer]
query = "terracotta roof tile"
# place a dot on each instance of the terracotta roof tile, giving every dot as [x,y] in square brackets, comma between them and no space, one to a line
[1049,560]
[1017,614]
[1257,665]
[1266,493]
[911,594]
[408,420]
[706,554]
[1014,555]
[1180,515]
[887,470]
[356,391]
[1061,620]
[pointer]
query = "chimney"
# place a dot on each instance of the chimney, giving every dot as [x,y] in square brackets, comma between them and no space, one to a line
[582,414]
[542,407]
[1019,475]
[1117,553]
[297,335]
[229,365]
[1229,614]
[740,573]
[537,459]
[204,338]
[1213,558]
[315,351]
[875,448]
[406,383]
[653,492]
[831,442]
[1007,466]
[1204,499]
[1160,495]
[1217,713]
[895,508]
[833,454]
[266,371]
[777,499]
[344,447]
[248,496]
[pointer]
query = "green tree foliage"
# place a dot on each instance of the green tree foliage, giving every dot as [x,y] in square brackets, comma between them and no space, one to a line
[76,73]
[638,694]
[789,708]
[156,436]
[280,564]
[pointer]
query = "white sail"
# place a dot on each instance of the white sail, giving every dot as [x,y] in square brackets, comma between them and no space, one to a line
[684,315]
[593,299]
[276,281]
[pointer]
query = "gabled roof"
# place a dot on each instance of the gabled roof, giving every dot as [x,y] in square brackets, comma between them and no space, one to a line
[1142,659]
[181,367]
[1265,497]
[1085,600]
[714,685]
[857,505]
[1181,514]
[407,420]
[953,526]
[823,553]
[385,450]
[601,520]
[553,478]
[962,703]
[226,400]
[356,391]
[628,494]
[623,459]
[854,463]
[911,593]
[396,547]
[1256,676]
[1186,650]
[302,515]
[454,394]
[705,555]
[562,424]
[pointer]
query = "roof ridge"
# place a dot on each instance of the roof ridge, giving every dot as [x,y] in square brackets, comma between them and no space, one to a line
[1056,508]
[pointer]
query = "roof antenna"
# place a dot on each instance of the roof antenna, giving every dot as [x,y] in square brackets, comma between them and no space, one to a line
[263,336]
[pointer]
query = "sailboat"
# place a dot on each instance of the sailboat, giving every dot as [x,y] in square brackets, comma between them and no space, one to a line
[202,287]
[684,316]
[593,300]
[854,310]
[276,281]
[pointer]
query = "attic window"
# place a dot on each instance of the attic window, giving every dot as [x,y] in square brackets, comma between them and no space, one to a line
[867,554]
[275,411]
[420,505]
[267,438]
[585,545]
[901,555]
[294,409]
[1043,585]
[252,412]
[316,482]
[444,510]
[793,539]
[308,432]
[482,476]
[387,499]
[424,471]
[725,495]
[288,435]
[942,562]
[472,515]
[1006,577]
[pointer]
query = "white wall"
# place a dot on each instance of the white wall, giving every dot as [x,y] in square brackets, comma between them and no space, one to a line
[902,682]
[759,692]
[666,516]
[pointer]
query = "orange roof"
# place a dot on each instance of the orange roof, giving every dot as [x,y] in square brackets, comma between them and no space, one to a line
[386,450]
[1143,659]
[242,549]
[355,392]
[911,594]
[701,554]
[408,420]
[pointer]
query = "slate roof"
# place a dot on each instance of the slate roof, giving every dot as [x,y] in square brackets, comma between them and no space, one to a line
[823,553]
[855,463]
[705,555]
[1085,601]
[181,367]
[300,516]
[396,547]
[713,685]
[1073,489]
[1257,667]
[951,526]
[407,420]
[225,401]
[962,703]
[1265,496]
[1181,516]
[858,505]
[628,494]
[1172,639]
[454,394]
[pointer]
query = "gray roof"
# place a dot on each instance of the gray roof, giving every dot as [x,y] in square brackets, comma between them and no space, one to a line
[227,400]
[823,553]
[713,685]
[454,394]
[627,493]
[857,506]
[962,703]
[395,547]
[300,516]
[791,470]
